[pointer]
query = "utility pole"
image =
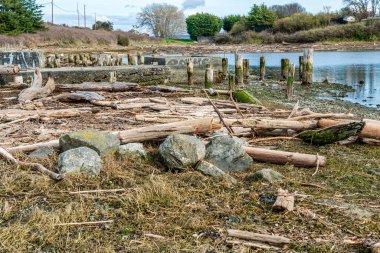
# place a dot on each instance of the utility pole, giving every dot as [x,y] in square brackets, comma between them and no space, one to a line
[52,11]
[85,24]
[78,14]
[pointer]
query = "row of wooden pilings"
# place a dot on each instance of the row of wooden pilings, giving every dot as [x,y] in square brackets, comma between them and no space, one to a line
[242,71]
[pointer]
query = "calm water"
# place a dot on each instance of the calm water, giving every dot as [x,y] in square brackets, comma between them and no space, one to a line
[340,67]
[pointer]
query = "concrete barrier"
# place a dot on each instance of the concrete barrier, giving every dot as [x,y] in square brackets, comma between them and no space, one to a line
[24,59]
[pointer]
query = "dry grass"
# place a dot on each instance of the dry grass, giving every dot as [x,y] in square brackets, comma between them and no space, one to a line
[60,36]
[177,206]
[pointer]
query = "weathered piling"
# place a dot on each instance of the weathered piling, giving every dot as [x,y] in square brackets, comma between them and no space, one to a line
[239,78]
[301,67]
[246,68]
[290,84]
[190,72]
[140,59]
[225,68]
[209,76]
[131,59]
[284,69]
[307,77]
[262,68]
[113,77]
[231,82]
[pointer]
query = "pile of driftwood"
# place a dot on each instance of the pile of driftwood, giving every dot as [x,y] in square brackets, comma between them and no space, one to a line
[154,112]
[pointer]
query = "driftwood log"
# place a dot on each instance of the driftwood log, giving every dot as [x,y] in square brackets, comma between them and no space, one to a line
[331,134]
[103,86]
[160,131]
[282,157]
[274,123]
[36,90]
[15,114]
[271,239]
[371,129]
[9,70]
[36,166]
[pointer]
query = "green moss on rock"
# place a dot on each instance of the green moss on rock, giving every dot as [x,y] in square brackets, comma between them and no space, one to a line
[243,96]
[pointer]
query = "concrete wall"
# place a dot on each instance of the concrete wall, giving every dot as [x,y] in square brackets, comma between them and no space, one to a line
[148,75]
[178,66]
[25,59]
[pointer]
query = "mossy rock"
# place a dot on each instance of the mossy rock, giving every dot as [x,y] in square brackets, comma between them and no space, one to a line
[332,134]
[103,143]
[243,96]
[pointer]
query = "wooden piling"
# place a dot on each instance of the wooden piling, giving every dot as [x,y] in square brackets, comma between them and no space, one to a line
[131,59]
[209,76]
[301,67]
[246,68]
[307,77]
[140,59]
[190,72]
[290,84]
[262,68]
[239,77]
[231,82]
[225,68]
[284,69]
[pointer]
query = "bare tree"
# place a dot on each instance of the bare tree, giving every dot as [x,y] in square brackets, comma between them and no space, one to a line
[287,10]
[163,20]
[360,7]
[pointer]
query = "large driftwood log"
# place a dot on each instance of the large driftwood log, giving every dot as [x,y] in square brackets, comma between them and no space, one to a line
[159,131]
[271,239]
[284,201]
[371,129]
[103,86]
[331,134]
[9,70]
[273,123]
[33,147]
[36,166]
[282,157]
[36,90]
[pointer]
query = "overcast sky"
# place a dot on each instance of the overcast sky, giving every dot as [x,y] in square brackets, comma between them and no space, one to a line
[123,12]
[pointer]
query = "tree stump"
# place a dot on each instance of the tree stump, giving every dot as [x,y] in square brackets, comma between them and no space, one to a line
[284,201]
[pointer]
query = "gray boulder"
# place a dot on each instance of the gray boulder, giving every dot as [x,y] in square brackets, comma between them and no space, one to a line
[101,142]
[43,152]
[210,169]
[228,154]
[133,149]
[80,160]
[179,151]
[266,175]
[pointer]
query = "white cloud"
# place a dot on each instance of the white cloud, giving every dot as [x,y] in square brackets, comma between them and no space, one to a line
[193,4]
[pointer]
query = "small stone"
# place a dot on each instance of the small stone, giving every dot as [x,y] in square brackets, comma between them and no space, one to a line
[80,160]
[209,169]
[133,149]
[102,142]
[268,175]
[180,152]
[228,154]
[43,152]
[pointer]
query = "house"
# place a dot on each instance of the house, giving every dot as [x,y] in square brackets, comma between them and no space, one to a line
[349,19]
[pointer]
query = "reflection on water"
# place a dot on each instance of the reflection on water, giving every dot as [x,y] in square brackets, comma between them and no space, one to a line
[350,68]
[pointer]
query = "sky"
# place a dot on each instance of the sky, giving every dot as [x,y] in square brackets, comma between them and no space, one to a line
[123,12]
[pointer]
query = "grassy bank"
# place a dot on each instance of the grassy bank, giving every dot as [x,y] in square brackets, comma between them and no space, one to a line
[348,32]
[60,36]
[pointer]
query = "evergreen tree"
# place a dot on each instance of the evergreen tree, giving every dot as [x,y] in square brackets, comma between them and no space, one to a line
[20,16]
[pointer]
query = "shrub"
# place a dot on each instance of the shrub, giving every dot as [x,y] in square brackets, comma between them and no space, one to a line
[223,38]
[203,24]
[301,22]
[106,25]
[240,27]
[122,40]
[261,15]
[230,21]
